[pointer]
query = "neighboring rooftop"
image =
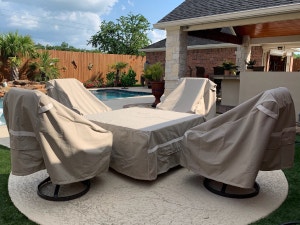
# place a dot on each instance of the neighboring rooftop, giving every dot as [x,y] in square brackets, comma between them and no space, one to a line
[192,41]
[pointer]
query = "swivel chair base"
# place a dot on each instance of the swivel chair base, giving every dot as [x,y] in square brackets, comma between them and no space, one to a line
[292,223]
[230,191]
[45,190]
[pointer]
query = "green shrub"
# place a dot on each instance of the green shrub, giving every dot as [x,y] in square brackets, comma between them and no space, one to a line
[110,78]
[128,79]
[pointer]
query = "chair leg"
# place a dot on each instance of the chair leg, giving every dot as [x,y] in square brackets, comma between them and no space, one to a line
[223,190]
[45,184]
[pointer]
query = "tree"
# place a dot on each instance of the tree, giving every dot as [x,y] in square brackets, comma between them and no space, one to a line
[12,48]
[126,36]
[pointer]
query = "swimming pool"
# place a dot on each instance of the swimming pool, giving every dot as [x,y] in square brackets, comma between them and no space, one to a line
[102,94]
[2,120]
[109,94]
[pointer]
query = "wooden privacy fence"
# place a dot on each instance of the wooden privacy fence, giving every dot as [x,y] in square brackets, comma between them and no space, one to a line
[86,65]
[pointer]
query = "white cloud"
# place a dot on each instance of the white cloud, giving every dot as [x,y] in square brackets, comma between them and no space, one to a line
[131,3]
[96,6]
[54,21]
[157,35]
[25,20]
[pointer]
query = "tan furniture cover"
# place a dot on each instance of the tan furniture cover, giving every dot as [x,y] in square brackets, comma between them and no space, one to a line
[146,142]
[46,134]
[71,93]
[192,95]
[258,134]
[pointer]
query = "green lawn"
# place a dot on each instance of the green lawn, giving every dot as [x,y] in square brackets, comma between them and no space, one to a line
[288,211]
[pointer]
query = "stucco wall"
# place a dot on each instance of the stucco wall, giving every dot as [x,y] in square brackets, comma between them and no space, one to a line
[256,82]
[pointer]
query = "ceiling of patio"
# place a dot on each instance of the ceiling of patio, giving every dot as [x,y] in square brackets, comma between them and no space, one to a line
[284,28]
[271,29]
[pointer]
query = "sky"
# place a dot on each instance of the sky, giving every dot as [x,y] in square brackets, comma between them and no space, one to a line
[52,22]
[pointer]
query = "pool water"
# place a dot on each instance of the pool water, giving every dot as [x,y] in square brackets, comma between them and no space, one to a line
[103,95]
[109,94]
[2,120]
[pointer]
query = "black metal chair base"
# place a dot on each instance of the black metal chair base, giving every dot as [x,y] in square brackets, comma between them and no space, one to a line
[222,190]
[291,223]
[46,184]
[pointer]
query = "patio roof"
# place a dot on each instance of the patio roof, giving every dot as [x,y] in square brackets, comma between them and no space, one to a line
[256,18]
[193,42]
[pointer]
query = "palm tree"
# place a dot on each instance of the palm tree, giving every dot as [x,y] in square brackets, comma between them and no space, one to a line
[46,66]
[12,48]
[118,67]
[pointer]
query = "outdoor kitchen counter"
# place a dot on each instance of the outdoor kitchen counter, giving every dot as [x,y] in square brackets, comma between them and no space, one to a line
[230,87]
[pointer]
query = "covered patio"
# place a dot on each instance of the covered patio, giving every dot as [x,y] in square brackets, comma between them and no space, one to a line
[272,25]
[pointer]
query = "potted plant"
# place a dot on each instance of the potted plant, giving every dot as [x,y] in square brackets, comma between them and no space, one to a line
[229,67]
[154,73]
[250,64]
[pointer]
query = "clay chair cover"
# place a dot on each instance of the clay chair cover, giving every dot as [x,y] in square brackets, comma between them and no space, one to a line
[258,134]
[46,134]
[192,95]
[72,94]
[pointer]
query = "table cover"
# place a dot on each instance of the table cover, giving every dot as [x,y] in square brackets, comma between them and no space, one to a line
[146,142]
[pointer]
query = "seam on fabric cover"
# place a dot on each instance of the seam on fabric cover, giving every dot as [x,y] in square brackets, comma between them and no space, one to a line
[267,111]
[45,108]
[21,133]
[151,150]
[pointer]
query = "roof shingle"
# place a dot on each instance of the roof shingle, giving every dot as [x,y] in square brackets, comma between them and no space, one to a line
[201,8]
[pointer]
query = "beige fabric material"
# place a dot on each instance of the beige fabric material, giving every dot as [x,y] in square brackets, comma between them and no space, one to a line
[192,95]
[72,94]
[258,134]
[146,142]
[46,134]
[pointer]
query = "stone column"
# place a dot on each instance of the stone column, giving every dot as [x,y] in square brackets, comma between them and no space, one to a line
[243,54]
[289,64]
[176,57]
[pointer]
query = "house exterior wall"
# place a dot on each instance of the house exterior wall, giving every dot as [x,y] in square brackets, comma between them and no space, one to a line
[257,54]
[296,64]
[209,58]
[153,57]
